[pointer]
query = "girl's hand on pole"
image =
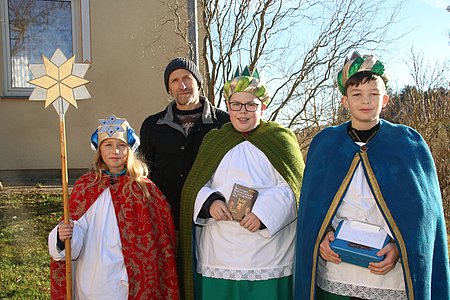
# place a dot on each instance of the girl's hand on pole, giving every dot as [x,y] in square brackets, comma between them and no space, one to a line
[65,231]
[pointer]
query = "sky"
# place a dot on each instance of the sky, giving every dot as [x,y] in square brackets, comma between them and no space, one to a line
[428,24]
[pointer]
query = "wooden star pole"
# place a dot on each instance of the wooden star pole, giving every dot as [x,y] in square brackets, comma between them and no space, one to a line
[59,81]
[65,193]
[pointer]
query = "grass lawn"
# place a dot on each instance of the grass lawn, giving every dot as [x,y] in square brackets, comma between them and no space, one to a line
[26,218]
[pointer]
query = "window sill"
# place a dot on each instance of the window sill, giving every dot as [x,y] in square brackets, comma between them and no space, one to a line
[14,97]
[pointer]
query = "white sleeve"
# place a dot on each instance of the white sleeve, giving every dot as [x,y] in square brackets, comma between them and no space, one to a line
[276,207]
[79,231]
[202,195]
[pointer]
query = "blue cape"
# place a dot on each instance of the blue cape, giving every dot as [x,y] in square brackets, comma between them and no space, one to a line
[402,176]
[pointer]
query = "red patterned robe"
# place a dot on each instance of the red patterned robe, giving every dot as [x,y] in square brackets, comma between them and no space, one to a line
[146,233]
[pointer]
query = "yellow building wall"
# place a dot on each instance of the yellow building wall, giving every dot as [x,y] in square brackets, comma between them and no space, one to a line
[131,43]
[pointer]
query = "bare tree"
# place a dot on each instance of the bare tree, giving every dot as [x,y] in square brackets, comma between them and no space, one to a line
[297,44]
[428,75]
[425,106]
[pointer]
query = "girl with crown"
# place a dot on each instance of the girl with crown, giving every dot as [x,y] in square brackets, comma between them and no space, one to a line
[252,258]
[122,234]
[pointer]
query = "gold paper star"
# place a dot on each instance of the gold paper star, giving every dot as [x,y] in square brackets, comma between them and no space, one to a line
[59,81]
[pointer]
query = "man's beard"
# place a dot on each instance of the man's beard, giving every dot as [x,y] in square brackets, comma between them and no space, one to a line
[187,99]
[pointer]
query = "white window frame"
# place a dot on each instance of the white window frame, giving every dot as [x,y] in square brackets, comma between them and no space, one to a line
[81,42]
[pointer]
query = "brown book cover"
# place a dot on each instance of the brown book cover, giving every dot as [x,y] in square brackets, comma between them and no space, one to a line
[241,201]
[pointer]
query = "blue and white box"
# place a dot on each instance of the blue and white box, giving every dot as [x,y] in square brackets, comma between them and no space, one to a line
[358,242]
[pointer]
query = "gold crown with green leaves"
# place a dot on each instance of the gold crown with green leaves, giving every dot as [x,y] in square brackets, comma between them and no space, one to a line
[357,64]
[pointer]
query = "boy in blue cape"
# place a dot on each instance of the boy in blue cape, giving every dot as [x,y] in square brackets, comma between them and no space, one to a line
[372,171]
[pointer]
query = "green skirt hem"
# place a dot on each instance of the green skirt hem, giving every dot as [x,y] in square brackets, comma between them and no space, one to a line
[272,289]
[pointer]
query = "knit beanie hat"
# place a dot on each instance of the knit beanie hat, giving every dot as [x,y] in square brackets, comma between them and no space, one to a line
[182,63]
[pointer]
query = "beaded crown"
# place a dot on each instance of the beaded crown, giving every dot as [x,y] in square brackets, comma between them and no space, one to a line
[114,128]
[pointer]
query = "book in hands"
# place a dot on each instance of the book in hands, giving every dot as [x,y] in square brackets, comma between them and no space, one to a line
[241,201]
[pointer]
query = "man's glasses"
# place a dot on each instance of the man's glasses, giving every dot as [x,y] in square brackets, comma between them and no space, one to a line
[251,106]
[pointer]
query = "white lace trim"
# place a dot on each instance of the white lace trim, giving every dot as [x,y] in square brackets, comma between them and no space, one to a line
[252,275]
[351,290]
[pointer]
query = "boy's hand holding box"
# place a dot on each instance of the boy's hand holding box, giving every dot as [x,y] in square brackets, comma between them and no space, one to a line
[358,243]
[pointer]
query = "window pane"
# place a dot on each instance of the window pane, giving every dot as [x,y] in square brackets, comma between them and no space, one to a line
[36,28]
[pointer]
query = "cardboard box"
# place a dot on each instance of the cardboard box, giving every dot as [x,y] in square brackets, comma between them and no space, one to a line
[358,243]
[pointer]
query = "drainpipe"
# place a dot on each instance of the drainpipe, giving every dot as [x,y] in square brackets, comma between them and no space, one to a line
[192,30]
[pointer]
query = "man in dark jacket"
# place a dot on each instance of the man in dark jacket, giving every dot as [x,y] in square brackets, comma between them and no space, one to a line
[171,138]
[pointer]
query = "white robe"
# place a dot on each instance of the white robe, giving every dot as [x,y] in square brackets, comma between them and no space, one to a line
[226,250]
[96,253]
[352,280]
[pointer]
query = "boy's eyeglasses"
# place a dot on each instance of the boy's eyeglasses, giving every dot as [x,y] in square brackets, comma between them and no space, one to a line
[251,106]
